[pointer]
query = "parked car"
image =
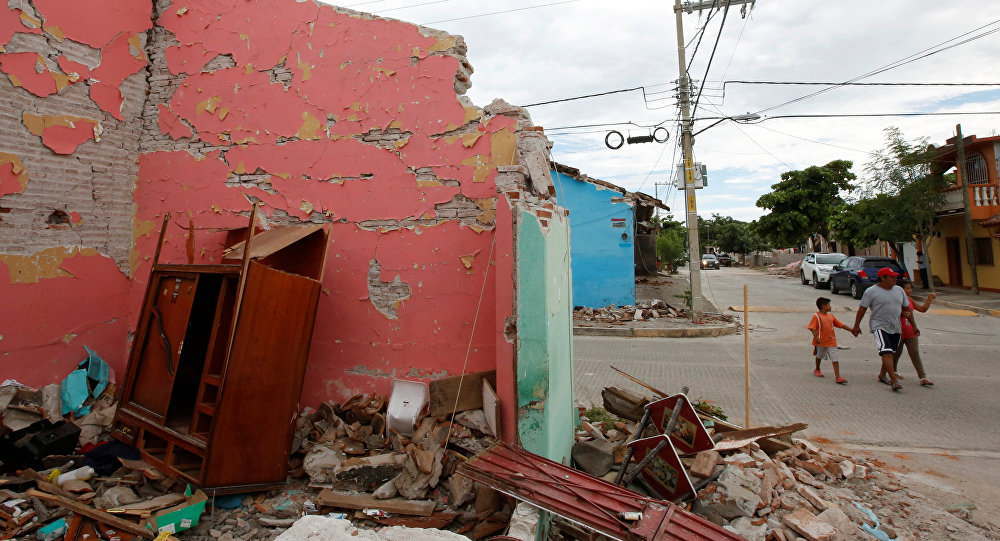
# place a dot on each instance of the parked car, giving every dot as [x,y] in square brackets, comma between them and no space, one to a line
[709,261]
[857,273]
[817,267]
[724,259]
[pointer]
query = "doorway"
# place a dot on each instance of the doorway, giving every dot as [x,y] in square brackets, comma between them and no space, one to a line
[954,246]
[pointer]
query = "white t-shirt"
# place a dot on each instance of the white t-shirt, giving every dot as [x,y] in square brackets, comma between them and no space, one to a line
[885,305]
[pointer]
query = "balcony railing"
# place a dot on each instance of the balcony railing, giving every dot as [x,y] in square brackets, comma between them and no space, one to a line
[984,196]
[979,196]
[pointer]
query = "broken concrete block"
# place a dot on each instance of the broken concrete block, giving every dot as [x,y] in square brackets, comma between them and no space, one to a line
[594,457]
[386,491]
[846,469]
[745,528]
[735,494]
[860,472]
[474,419]
[813,498]
[836,517]
[321,463]
[524,522]
[461,488]
[704,463]
[806,524]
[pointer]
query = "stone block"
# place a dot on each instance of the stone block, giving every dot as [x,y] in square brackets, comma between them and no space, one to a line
[808,526]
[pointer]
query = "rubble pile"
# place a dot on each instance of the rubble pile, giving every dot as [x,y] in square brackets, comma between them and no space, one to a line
[347,463]
[793,491]
[791,269]
[641,311]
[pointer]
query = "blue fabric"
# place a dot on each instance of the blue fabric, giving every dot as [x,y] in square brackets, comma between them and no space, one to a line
[74,392]
[97,370]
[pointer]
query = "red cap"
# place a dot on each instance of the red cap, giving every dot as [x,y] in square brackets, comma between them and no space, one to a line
[886,271]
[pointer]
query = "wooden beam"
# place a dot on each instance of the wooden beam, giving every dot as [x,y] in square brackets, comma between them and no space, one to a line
[351,500]
[90,512]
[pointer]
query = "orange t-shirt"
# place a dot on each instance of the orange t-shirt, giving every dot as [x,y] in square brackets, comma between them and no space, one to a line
[825,324]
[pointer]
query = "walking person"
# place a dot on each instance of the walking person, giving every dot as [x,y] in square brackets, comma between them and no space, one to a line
[887,302]
[909,337]
[824,340]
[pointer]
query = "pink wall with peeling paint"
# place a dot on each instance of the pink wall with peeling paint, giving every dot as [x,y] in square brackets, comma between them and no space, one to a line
[348,77]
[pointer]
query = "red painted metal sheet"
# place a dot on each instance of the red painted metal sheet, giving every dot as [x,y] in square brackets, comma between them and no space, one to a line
[586,500]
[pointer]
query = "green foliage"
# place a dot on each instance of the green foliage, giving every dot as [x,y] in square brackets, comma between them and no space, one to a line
[670,243]
[729,235]
[900,195]
[597,414]
[711,409]
[802,203]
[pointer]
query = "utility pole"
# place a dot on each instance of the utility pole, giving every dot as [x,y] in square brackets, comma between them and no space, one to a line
[687,142]
[970,244]
[656,194]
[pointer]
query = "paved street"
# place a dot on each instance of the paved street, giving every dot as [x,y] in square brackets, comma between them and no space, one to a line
[955,418]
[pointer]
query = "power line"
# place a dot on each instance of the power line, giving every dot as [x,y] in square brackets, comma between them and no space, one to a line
[710,58]
[906,60]
[501,12]
[864,115]
[626,123]
[813,141]
[584,96]
[827,83]
[413,5]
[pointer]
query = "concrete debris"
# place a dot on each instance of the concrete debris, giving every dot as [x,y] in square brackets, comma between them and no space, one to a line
[790,492]
[791,269]
[641,311]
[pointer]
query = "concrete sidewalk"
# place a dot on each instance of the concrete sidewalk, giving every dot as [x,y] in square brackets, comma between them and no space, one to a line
[986,303]
[667,287]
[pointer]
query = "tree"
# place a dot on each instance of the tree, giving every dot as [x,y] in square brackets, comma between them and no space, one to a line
[802,203]
[671,243]
[900,196]
[729,235]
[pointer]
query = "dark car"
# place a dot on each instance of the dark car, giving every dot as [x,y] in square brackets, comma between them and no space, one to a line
[709,261]
[857,273]
[725,260]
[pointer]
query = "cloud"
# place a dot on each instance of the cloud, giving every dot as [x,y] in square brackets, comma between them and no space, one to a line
[586,47]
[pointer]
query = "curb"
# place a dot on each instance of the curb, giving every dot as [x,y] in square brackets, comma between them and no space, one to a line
[629,332]
[977,309]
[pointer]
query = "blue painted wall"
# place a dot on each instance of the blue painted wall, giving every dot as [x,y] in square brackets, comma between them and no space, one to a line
[603,263]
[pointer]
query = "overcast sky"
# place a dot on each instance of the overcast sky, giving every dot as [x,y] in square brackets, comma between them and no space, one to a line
[590,46]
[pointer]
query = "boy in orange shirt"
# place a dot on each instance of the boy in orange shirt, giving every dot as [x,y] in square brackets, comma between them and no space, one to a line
[824,338]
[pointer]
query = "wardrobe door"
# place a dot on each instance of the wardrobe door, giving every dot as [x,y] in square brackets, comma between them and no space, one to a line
[162,341]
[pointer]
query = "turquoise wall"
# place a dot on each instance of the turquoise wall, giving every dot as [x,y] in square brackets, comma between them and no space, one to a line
[546,416]
[603,262]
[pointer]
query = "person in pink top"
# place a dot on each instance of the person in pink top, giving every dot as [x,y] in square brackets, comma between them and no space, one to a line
[910,338]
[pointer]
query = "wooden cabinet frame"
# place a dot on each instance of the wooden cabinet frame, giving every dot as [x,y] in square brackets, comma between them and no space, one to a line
[213,381]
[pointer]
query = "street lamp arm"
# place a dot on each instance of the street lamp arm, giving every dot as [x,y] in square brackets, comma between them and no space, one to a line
[735,118]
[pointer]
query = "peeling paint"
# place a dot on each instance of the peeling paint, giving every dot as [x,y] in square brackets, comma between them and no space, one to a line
[62,133]
[13,174]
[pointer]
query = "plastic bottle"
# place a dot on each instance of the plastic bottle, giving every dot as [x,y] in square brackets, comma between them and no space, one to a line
[82,474]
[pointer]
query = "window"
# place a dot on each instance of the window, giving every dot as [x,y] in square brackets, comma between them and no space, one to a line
[975,168]
[984,250]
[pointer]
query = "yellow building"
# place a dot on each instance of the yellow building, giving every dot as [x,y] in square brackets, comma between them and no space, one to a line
[949,253]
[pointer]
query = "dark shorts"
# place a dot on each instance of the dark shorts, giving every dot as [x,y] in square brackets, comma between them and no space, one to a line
[885,341]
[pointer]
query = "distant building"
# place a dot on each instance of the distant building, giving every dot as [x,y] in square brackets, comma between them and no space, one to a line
[949,254]
[611,237]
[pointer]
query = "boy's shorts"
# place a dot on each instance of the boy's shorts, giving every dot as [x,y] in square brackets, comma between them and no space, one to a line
[827,353]
[886,342]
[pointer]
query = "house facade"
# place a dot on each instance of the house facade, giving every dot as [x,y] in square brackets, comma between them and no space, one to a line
[978,177]
[448,253]
[612,237]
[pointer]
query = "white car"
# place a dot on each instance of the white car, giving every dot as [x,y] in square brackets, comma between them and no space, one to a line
[818,266]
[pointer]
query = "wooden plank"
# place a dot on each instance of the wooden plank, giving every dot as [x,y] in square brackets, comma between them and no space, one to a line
[491,408]
[351,500]
[90,512]
[268,242]
[468,388]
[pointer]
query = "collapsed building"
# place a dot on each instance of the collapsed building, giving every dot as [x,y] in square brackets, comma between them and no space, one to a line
[447,252]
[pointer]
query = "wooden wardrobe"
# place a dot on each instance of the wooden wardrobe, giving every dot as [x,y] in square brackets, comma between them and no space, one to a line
[213,381]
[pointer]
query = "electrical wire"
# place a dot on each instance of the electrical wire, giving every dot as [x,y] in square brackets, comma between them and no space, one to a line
[812,141]
[867,115]
[701,32]
[827,83]
[501,12]
[892,65]
[626,123]
[413,5]
[711,57]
